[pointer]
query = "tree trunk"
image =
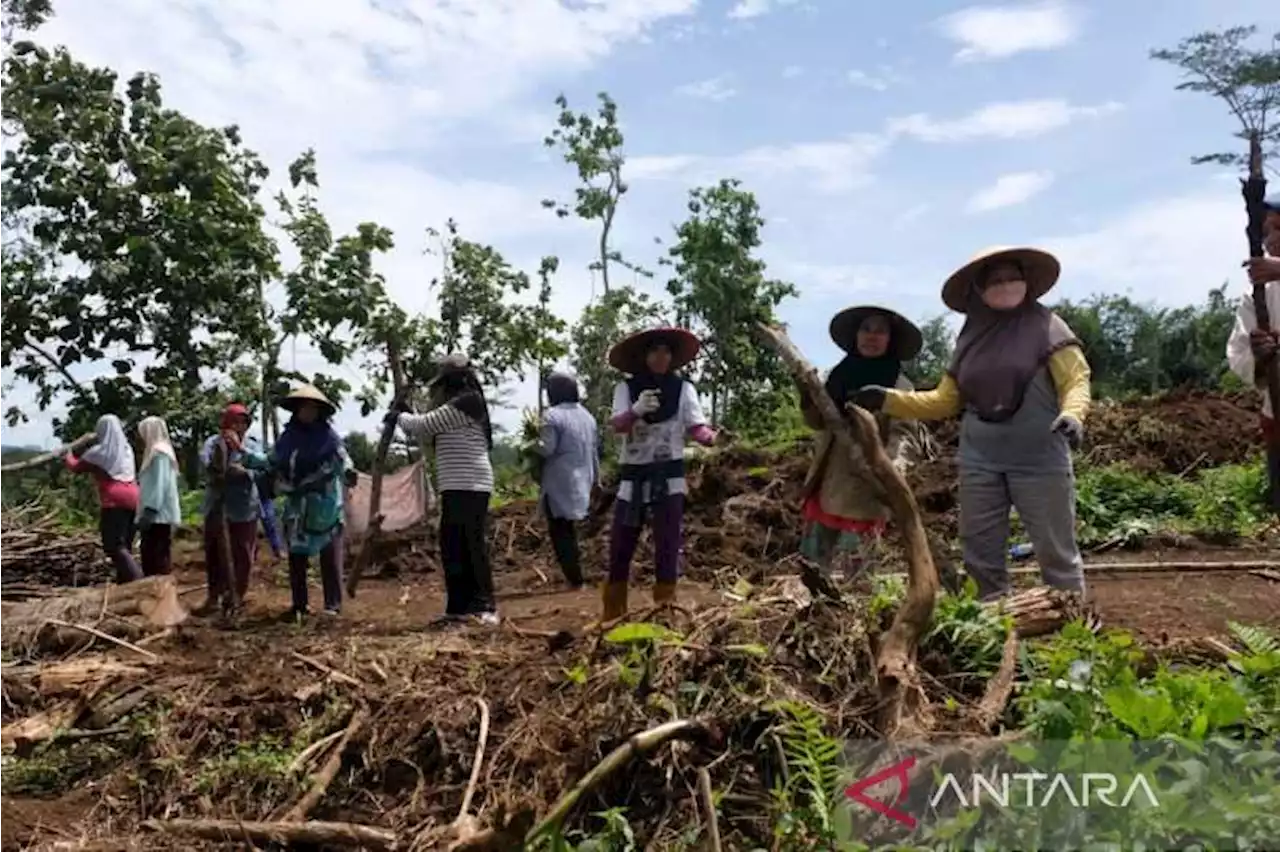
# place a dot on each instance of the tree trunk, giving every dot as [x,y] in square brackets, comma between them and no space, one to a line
[149,603]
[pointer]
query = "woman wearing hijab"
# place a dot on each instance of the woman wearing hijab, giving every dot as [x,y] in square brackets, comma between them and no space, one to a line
[655,410]
[462,437]
[110,462]
[309,466]
[159,510]
[571,468]
[231,495]
[1020,379]
[841,514]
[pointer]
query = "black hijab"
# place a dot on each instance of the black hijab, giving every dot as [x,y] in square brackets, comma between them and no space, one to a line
[854,371]
[562,388]
[669,387]
[461,389]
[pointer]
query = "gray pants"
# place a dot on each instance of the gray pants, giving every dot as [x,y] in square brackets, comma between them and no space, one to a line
[1046,503]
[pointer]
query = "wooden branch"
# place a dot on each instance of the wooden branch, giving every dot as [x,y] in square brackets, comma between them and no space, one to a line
[635,746]
[322,779]
[479,758]
[999,688]
[708,809]
[895,663]
[316,834]
[106,637]
[326,669]
[1254,190]
[373,531]
[56,455]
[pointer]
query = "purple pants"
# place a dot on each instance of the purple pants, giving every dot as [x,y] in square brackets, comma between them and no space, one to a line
[667,518]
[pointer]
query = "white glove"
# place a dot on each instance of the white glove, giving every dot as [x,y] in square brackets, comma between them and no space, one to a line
[647,403]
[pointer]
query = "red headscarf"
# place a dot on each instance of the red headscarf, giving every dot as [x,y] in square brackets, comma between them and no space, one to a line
[227,425]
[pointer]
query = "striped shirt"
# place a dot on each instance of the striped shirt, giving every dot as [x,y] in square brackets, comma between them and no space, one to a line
[462,450]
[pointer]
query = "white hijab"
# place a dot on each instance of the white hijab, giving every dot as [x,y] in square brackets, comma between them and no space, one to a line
[155,441]
[112,453]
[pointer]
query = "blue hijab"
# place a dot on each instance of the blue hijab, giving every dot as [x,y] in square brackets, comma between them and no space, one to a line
[304,448]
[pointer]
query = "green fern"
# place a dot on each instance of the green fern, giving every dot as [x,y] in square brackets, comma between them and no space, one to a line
[1257,640]
[813,762]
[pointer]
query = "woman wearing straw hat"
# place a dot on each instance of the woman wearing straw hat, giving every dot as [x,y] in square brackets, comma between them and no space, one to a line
[655,409]
[462,437]
[1020,378]
[839,511]
[309,464]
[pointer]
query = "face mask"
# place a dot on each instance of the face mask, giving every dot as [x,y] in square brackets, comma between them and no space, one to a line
[1005,296]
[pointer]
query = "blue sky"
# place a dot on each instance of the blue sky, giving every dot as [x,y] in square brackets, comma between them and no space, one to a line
[886,142]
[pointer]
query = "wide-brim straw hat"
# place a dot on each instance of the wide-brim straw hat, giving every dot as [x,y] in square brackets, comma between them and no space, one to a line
[307,393]
[1040,268]
[628,354]
[905,336]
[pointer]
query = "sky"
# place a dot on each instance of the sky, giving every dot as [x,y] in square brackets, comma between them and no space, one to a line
[886,142]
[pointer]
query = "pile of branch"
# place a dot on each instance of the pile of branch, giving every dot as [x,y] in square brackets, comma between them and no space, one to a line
[38,554]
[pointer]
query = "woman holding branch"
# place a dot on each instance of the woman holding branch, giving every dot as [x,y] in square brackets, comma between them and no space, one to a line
[462,437]
[841,512]
[110,462]
[159,510]
[1021,382]
[655,410]
[231,495]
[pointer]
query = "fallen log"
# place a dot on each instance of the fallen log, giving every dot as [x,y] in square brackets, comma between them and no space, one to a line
[321,780]
[143,604]
[903,710]
[321,834]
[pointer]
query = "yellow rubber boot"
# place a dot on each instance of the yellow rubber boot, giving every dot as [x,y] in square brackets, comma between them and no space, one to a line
[664,593]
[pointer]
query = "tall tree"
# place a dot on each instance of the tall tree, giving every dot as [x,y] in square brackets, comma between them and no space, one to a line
[593,145]
[132,233]
[329,296]
[1222,64]
[720,290]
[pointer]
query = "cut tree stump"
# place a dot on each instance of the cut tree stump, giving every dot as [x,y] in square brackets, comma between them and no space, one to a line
[904,710]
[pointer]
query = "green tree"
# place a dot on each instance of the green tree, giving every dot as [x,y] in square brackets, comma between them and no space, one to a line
[1247,80]
[593,146]
[927,368]
[1136,348]
[24,15]
[132,234]
[720,291]
[545,330]
[479,312]
[328,297]
[362,449]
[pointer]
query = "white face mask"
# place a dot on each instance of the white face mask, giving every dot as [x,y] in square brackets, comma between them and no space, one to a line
[1005,296]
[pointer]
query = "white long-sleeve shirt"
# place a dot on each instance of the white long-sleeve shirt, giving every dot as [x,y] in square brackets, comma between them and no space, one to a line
[1239,353]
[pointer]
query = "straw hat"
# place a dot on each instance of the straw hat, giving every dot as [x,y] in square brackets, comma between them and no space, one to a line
[1040,267]
[904,335]
[628,354]
[307,393]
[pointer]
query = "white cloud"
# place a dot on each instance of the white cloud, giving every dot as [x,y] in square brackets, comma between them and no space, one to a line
[830,166]
[1169,250]
[998,32]
[792,71]
[1007,120]
[877,82]
[1009,190]
[711,89]
[745,9]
